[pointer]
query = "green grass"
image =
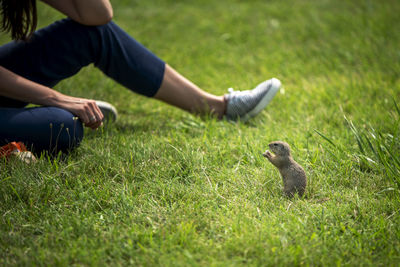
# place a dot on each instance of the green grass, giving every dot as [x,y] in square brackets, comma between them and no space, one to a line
[161,187]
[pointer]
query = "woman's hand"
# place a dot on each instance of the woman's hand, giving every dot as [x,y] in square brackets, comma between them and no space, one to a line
[86,109]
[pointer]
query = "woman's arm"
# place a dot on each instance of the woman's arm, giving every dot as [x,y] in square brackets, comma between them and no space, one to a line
[19,88]
[87,12]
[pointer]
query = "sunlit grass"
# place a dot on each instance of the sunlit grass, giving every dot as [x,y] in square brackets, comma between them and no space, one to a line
[161,187]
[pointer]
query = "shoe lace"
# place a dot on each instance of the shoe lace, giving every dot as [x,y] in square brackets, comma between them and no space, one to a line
[233,92]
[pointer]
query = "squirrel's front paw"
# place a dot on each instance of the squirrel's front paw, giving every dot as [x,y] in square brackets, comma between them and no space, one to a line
[267,154]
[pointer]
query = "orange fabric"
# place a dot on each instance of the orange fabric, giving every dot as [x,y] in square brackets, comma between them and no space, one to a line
[8,149]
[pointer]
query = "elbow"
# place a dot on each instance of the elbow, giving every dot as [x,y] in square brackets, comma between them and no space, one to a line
[97,19]
[106,18]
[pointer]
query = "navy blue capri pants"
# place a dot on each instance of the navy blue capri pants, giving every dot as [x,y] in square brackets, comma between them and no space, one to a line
[59,51]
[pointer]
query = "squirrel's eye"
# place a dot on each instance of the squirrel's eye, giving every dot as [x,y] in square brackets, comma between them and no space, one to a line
[275,144]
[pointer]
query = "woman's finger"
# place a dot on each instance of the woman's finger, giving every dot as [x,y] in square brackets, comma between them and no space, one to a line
[95,117]
[84,117]
[94,122]
[100,115]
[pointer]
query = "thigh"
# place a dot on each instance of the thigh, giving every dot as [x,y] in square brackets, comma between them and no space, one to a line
[40,129]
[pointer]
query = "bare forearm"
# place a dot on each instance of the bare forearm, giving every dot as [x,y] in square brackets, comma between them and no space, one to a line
[87,12]
[19,88]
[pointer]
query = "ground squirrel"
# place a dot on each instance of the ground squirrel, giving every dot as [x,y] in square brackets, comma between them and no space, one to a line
[293,175]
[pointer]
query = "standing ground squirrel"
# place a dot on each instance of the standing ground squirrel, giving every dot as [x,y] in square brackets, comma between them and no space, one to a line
[293,175]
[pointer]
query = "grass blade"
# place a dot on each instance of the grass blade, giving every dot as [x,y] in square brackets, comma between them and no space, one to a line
[396,106]
[325,137]
[359,140]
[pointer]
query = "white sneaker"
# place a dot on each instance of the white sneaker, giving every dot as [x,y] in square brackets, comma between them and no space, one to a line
[243,105]
[108,110]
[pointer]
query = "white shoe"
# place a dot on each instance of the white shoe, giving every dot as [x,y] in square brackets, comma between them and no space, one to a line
[243,105]
[108,110]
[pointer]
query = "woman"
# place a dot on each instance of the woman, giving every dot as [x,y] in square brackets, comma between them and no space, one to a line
[37,60]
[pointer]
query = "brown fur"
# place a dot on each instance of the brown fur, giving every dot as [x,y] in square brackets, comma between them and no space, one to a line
[293,175]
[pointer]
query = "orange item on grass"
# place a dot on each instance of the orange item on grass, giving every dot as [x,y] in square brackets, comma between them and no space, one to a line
[17,149]
[8,149]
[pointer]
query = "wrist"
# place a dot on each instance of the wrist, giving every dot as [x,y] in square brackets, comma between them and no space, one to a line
[54,99]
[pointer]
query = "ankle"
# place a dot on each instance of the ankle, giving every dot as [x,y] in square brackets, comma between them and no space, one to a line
[224,104]
[220,109]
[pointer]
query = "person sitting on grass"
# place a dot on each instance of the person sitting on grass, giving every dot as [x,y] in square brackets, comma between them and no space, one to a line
[35,61]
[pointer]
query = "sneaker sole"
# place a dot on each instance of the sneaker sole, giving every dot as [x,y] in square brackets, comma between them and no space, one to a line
[108,110]
[273,89]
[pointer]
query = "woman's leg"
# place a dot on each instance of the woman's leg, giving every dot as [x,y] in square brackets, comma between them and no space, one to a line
[40,129]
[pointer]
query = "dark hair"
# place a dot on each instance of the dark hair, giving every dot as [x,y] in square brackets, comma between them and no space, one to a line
[19,17]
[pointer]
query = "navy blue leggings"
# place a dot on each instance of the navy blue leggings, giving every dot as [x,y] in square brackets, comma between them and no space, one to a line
[59,51]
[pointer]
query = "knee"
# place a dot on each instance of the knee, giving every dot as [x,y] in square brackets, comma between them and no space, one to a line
[105,32]
[42,129]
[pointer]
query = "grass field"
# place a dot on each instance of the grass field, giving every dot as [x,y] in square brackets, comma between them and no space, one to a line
[162,187]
